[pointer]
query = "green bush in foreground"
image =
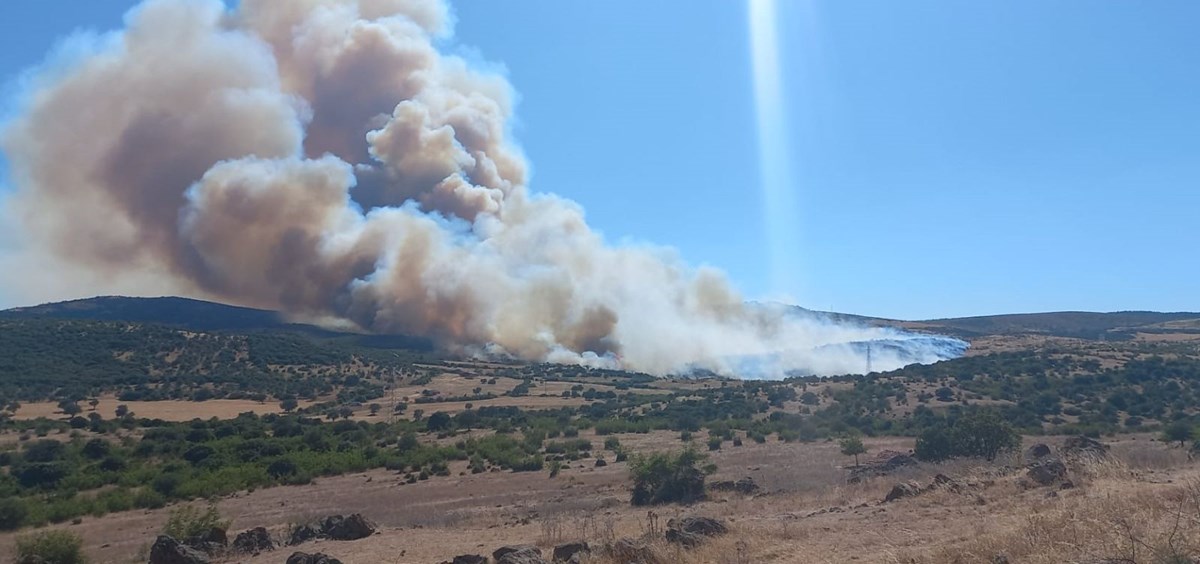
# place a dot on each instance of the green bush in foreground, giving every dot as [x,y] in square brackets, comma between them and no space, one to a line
[667,478]
[50,547]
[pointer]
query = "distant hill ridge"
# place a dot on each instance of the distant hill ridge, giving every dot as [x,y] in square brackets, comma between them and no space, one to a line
[212,316]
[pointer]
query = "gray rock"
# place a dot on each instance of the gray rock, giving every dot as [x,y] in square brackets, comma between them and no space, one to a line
[253,541]
[906,489]
[469,559]
[571,552]
[519,554]
[691,531]
[317,558]
[1046,472]
[1037,451]
[354,527]
[1084,447]
[167,550]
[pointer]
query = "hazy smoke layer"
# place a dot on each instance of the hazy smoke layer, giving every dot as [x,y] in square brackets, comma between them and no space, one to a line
[323,158]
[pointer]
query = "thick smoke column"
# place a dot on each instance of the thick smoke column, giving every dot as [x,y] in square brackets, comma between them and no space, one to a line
[323,158]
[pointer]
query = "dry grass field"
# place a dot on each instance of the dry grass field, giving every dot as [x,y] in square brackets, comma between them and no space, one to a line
[168,410]
[1141,505]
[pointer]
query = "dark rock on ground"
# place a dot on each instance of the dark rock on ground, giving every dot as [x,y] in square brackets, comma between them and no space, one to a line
[253,541]
[354,527]
[1037,451]
[883,463]
[906,489]
[1082,446]
[1046,472]
[317,558]
[211,542]
[167,550]
[518,554]
[944,482]
[570,552]
[691,531]
[469,559]
[334,527]
[745,486]
[600,463]
[303,533]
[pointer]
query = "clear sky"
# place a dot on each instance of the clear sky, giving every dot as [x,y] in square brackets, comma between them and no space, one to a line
[946,158]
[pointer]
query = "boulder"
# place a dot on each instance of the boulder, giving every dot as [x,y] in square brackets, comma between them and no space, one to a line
[691,531]
[746,486]
[469,559]
[944,482]
[253,541]
[1081,446]
[317,558]
[354,527]
[303,533]
[167,550]
[906,489]
[211,542]
[518,554]
[1046,472]
[629,550]
[601,463]
[1037,451]
[571,552]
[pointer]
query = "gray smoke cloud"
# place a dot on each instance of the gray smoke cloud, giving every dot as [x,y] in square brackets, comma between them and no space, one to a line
[322,157]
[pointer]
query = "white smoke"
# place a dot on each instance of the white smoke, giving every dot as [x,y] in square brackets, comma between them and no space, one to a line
[322,157]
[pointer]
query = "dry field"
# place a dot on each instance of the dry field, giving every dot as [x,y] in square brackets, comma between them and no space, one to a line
[1143,506]
[170,410]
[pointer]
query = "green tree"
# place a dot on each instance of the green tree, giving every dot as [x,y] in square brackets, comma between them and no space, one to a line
[374,408]
[1179,432]
[985,434]
[852,446]
[122,410]
[289,405]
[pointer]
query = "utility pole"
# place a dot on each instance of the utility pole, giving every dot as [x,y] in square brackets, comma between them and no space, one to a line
[868,357]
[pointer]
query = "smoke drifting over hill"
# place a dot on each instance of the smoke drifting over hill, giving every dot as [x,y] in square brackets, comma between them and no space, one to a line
[322,157]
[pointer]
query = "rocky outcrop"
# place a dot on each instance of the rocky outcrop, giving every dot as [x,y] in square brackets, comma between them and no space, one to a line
[1038,452]
[211,542]
[570,553]
[334,527]
[692,531]
[1084,447]
[167,550]
[1046,472]
[519,554]
[354,527]
[317,558]
[883,463]
[253,541]
[469,559]
[744,486]
[902,490]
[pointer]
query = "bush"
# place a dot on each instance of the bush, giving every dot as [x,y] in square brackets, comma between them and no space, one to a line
[982,433]
[667,478]
[50,547]
[189,521]
[12,513]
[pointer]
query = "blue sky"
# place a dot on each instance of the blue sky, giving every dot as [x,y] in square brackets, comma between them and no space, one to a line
[948,158]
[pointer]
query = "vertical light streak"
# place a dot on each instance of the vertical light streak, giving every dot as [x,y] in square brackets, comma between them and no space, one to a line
[779,198]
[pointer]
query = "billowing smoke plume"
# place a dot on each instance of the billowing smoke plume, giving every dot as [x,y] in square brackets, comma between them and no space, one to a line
[322,157]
